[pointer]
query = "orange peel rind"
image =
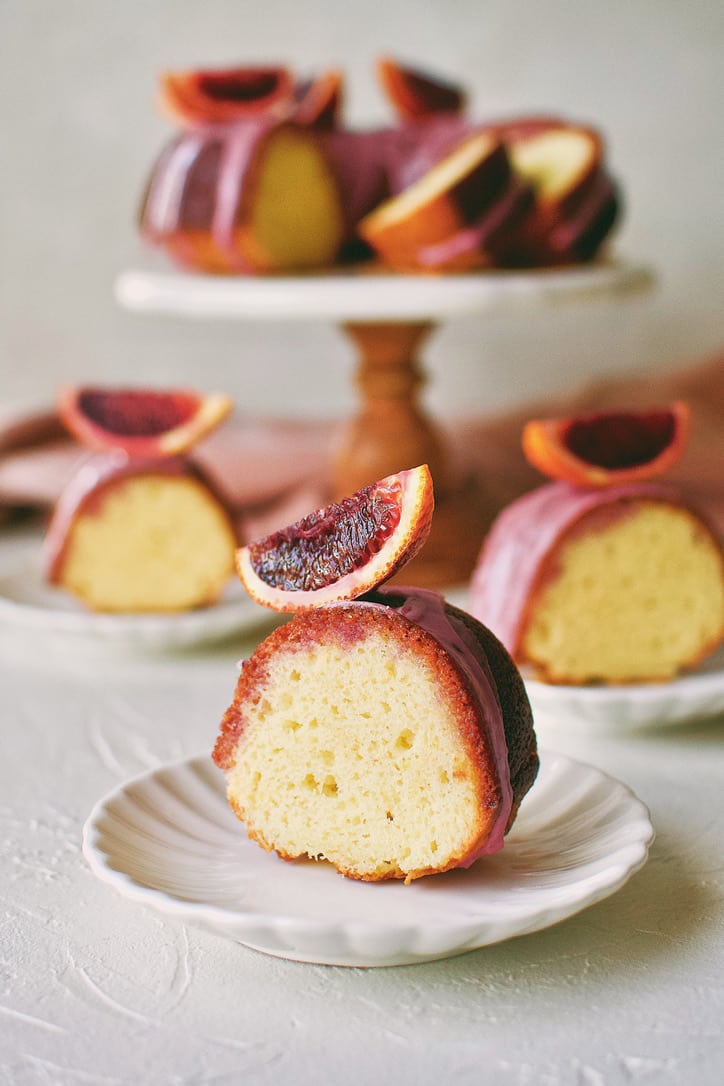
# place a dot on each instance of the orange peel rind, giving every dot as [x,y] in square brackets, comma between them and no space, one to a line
[608,448]
[225,95]
[416,94]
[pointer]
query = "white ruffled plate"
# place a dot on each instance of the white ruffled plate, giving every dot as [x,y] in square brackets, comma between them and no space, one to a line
[168,840]
[28,601]
[697,696]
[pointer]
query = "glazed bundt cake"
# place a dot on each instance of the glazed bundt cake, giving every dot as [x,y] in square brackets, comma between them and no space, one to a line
[251,198]
[130,534]
[391,736]
[614,585]
[264,176]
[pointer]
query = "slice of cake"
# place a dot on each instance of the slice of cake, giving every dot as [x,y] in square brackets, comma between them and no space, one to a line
[129,534]
[391,736]
[254,197]
[616,585]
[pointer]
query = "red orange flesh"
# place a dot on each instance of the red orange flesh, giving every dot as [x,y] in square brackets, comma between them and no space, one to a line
[140,422]
[343,550]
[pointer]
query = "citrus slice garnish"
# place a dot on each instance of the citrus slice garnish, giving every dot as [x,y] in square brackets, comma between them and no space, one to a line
[343,550]
[416,94]
[608,447]
[224,95]
[140,422]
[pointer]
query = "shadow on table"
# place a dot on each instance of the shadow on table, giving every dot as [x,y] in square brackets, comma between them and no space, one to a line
[659,911]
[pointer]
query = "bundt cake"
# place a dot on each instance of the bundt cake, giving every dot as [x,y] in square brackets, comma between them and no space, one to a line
[615,585]
[265,177]
[257,196]
[390,735]
[130,534]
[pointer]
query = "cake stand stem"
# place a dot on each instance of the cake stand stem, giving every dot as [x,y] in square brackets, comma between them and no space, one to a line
[390,431]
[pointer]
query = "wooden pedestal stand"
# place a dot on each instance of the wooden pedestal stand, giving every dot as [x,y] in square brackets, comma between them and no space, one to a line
[391,432]
[388,317]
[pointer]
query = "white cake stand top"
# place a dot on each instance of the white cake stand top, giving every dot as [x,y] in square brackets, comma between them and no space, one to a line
[367,295]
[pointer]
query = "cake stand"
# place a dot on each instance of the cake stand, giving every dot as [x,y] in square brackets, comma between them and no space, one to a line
[388,317]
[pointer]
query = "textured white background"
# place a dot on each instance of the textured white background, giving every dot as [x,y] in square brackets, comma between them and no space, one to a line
[79,132]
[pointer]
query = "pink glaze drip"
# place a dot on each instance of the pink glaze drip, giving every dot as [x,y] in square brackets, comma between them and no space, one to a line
[358,161]
[240,146]
[414,148]
[498,219]
[427,610]
[599,197]
[163,211]
[519,541]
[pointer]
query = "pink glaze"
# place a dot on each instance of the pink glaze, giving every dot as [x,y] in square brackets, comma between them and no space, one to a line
[412,150]
[510,563]
[240,147]
[95,477]
[318,102]
[416,147]
[359,161]
[181,189]
[427,610]
[591,217]
[201,178]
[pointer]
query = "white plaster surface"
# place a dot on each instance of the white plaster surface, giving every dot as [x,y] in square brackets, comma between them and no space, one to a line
[98,990]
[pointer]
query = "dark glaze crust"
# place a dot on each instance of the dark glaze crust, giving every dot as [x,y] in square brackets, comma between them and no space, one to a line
[520,736]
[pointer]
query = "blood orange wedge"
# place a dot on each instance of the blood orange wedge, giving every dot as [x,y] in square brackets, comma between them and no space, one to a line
[609,447]
[343,550]
[218,96]
[416,94]
[140,422]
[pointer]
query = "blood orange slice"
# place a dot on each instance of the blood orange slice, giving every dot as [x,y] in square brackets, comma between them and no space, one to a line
[343,550]
[140,422]
[219,96]
[416,94]
[609,447]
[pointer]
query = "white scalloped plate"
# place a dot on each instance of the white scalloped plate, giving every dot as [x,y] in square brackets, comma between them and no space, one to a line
[168,840]
[28,601]
[698,696]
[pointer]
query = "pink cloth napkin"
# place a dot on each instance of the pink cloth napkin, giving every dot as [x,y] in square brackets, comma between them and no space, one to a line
[700,472]
[257,466]
[271,471]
